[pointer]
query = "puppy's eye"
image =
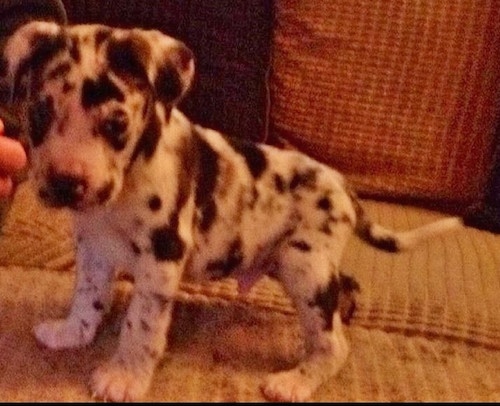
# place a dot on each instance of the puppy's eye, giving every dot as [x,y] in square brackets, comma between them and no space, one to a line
[114,129]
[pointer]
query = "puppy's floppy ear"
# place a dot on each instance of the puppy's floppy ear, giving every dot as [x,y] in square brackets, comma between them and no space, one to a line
[165,62]
[29,47]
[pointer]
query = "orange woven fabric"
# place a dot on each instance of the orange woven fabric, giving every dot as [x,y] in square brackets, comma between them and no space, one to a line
[399,95]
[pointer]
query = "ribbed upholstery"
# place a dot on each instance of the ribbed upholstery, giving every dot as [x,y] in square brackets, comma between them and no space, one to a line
[427,325]
[400,95]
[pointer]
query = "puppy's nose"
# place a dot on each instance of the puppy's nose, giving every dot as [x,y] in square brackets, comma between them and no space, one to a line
[64,190]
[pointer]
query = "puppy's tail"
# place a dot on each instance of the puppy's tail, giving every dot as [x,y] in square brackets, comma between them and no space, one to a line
[395,241]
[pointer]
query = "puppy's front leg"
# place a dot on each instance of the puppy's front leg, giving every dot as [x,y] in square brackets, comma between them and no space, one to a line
[127,376]
[91,299]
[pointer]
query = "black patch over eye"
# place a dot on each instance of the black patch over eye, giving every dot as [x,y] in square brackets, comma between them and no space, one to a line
[41,115]
[127,57]
[100,90]
[114,129]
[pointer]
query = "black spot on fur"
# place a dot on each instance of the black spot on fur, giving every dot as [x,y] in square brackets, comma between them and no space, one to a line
[135,248]
[44,48]
[388,244]
[59,71]
[253,154]
[279,183]
[326,300]
[324,204]
[101,35]
[145,326]
[127,58]
[233,259]
[364,228]
[98,305]
[166,244]
[301,245]
[148,142]
[325,228]
[162,301]
[168,85]
[188,156]
[306,179]
[208,172]
[151,352]
[98,91]
[347,298]
[104,193]
[67,87]
[41,115]
[154,203]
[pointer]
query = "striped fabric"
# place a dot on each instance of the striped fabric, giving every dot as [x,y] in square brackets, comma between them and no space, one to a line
[427,327]
[400,95]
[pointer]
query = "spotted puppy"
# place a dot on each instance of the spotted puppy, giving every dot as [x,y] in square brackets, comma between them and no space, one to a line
[167,199]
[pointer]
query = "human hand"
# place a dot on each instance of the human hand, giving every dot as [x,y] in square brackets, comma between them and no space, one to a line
[12,159]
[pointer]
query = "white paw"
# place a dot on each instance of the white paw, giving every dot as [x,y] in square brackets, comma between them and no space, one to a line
[63,333]
[115,382]
[287,386]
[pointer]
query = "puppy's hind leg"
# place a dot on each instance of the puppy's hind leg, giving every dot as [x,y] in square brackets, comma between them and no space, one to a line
[312,282]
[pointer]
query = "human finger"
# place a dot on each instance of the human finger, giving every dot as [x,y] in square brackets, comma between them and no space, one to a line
[12,155]
[6,186]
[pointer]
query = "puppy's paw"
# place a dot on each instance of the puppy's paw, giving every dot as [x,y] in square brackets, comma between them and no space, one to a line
[287,386]
[116,382]
[63,333]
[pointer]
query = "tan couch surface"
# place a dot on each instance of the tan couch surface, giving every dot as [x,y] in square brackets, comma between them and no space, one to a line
[427,326]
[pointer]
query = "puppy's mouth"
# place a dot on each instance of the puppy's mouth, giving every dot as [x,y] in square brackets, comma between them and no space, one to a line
[73,192]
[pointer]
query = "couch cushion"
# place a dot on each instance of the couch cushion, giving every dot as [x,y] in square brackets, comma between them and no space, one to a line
[399,95]
[446,288]
[427,317]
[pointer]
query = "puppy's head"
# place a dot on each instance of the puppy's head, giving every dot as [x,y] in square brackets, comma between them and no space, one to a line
[94,100]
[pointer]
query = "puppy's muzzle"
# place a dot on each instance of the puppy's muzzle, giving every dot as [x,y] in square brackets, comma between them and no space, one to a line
[63,191]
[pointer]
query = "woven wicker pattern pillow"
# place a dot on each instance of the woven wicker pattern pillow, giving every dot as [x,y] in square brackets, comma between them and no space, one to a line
[398,94]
